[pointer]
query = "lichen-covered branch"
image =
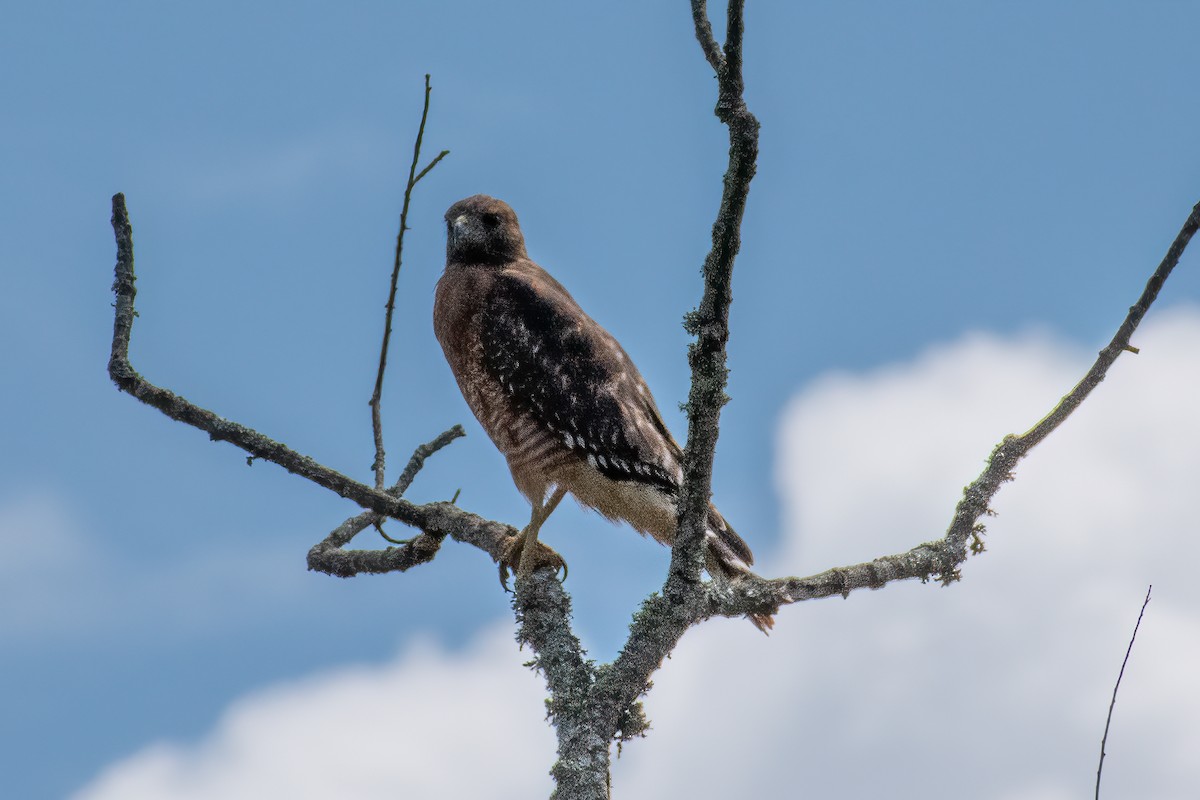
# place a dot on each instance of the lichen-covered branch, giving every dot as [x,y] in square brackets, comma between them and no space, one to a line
[941,559]
[664,618]
[593,705]
[328,556]
[710,322]
[543,610]
[542,606]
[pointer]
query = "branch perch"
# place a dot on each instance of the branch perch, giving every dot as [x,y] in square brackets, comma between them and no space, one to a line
[593,705]
[328,556]
[433,518]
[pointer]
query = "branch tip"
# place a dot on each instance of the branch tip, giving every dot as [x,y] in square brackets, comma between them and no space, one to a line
[378,466]
[1112,703]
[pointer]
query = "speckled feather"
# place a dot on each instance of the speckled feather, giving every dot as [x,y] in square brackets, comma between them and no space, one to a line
[556,392]
[561,368]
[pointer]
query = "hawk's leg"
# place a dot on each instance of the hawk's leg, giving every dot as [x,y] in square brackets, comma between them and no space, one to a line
[525,553]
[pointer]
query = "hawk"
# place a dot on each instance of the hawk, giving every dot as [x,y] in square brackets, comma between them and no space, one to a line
[557,394]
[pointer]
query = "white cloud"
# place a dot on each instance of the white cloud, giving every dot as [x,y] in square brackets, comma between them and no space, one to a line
[429,724]
[994,688]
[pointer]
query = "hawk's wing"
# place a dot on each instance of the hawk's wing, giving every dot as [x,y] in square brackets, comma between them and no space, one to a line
[557,365]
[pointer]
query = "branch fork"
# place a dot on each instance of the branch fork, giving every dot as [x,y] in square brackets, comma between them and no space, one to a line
[593,705]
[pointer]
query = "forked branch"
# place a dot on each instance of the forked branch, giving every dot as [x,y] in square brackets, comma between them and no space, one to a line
[439,519]
[593,705]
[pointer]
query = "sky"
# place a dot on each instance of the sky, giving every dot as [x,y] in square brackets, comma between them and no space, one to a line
[954,207]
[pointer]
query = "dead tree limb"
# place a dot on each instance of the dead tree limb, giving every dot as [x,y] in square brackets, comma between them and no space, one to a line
[593,705]
[377,395]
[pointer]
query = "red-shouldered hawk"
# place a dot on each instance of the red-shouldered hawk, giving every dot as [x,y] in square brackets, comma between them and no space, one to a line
[556,392]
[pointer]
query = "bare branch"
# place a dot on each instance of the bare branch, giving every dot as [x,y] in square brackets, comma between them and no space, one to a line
[543,610]
[413,177]
[663,619]
[430,166]
[734,28]
[433,518]
[710,322]
[542,605]
[1120,341]
[328,556]
[941,559]
[1117,685]
[591,705]
[417,460]
[704,35]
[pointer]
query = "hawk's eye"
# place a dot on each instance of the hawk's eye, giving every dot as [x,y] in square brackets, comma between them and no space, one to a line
[491,220]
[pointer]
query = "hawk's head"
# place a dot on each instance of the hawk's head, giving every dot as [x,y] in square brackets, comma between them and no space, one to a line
[482,229]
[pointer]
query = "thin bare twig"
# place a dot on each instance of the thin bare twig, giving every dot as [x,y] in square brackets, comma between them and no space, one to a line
[592,705]
[434,518]
[328,556]
[376,396]
[1117,685]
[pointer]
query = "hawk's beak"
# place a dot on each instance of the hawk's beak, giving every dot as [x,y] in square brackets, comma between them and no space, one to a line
[458,227]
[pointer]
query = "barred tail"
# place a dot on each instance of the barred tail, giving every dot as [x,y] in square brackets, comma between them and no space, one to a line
[728,556]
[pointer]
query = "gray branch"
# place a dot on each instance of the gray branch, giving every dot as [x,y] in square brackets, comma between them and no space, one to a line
[328,556]
[941,559]
[435,519]
[593,705]
[710,322]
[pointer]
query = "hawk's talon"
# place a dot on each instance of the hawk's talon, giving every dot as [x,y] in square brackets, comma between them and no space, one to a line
[523,554]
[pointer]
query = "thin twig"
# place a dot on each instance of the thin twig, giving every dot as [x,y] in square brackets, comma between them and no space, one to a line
[376,396]
[417,460]
[329,557]
[437,518]
[1121,674]
[608,693]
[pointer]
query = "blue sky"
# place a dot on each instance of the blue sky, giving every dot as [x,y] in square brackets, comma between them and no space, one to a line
[929,172]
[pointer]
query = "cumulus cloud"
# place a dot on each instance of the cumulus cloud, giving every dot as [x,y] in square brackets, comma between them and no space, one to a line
[994,688]
[429,724]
